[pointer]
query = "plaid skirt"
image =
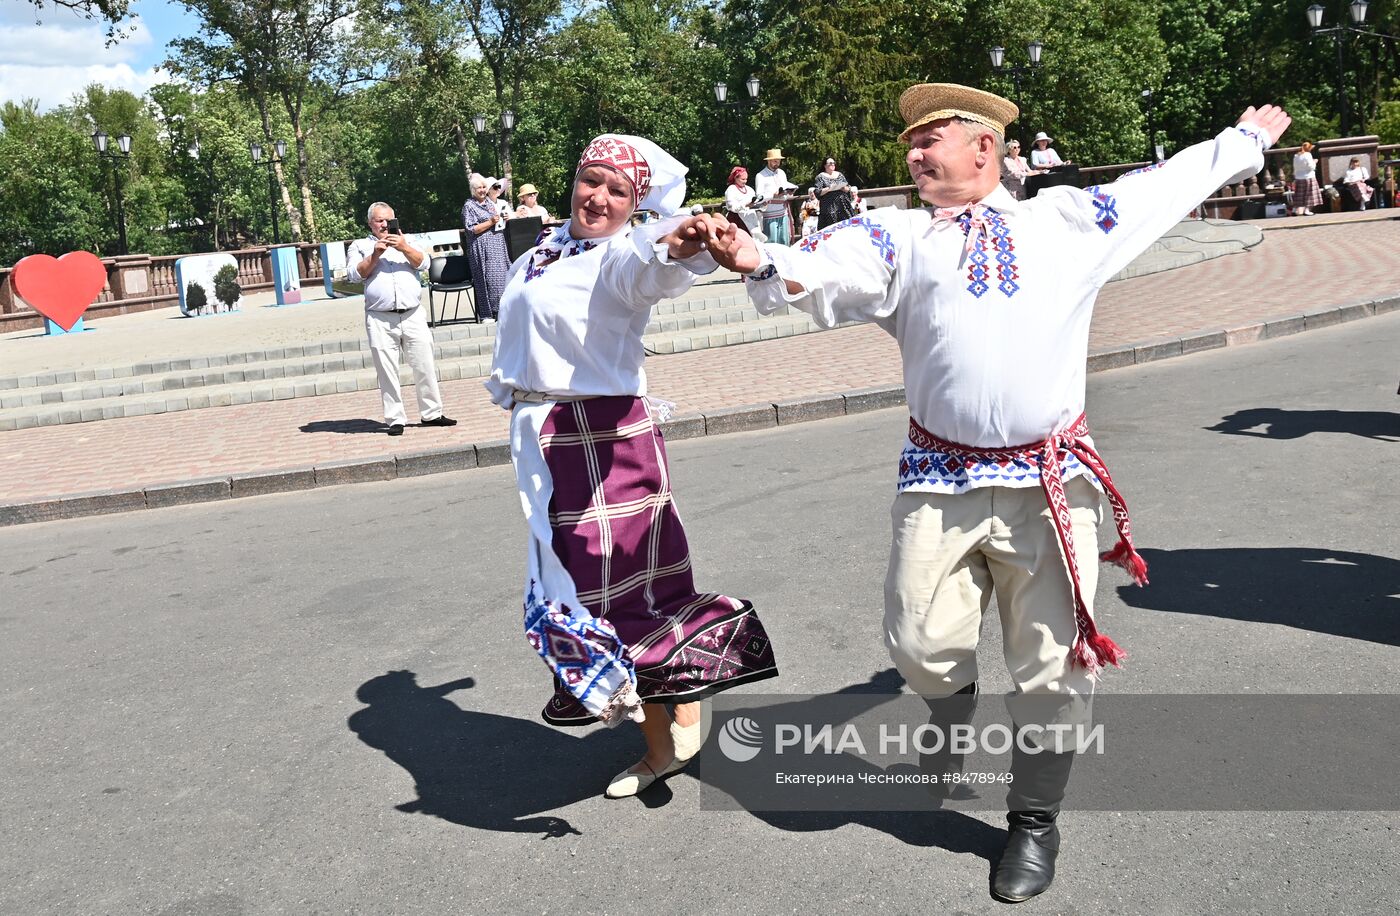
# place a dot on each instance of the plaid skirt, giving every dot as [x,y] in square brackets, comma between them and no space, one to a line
[1307,193]
[611,598]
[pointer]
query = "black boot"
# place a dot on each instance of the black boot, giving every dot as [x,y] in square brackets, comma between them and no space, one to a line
[943,764]
[1027,865]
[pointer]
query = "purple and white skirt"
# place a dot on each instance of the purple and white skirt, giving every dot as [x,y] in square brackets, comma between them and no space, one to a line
[610,603]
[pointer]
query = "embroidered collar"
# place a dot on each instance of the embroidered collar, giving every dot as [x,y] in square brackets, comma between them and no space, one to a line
[554,244]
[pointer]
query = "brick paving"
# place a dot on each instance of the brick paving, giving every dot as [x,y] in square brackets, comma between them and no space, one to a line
[1290,273]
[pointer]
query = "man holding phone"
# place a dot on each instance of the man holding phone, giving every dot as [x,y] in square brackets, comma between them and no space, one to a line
[387,263]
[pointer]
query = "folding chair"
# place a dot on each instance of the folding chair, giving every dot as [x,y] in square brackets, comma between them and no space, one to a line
[450,274]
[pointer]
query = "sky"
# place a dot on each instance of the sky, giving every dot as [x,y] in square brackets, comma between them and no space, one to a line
[50,60]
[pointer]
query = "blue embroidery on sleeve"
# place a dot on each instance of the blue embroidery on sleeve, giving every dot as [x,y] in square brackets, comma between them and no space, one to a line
[1107,206]
[879,237]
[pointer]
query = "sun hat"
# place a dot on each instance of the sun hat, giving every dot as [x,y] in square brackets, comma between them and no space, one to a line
[528,189]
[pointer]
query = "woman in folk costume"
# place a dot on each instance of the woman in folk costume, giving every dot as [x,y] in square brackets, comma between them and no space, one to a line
[609,601]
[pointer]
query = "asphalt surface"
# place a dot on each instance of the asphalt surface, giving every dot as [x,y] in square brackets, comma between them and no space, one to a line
[208,710]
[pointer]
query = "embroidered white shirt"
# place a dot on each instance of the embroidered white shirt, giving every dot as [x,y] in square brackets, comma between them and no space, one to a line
[574,310]
[737,198]
[770,183]
[991,306]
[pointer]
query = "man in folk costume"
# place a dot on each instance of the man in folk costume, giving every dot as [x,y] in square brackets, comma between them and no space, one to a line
[999,481]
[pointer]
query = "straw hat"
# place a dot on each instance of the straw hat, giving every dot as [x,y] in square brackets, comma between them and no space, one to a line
[774,153]
[528,189]
[925,103]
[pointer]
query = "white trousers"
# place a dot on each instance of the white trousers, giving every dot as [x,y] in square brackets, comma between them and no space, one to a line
[392,333]
[950,553]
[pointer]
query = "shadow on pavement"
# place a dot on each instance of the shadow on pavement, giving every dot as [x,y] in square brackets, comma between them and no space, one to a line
[1326,591]
[358,425]
[475,768]
[945,829]
[1381,425]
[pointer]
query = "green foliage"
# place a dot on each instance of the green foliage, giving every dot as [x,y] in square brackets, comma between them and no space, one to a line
[375,99]
[195,297]
[226,288]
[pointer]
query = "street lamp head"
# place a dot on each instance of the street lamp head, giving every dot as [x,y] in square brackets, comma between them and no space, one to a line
[124,144]
[721,92]
[508,119]
[1147,95]
[281,147]
[255,150]
[1033,51]
[998,55]
[99,140]
[752,85]
[1315,16]
[1358,11]
[479,122]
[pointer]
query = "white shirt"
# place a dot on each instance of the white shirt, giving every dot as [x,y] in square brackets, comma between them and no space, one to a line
[1304,166]
[1045,158]
[1360,173]
[994,343]
[573,326]
[394,284]
[737,198]
[505,212]
[770,183]
[536,210]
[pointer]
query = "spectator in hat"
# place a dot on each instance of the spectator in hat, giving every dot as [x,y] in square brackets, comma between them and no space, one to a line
[1014,170]
[772,185]
[1043,155]
[529,203]
[502,206]
[486,247]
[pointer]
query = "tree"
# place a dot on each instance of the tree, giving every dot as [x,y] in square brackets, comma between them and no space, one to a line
[226,288]
[300,55]
[113,12]
[50,184]
[195,299]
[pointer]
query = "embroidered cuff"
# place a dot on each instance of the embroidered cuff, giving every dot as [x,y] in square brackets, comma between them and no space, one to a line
[1256,133]
[766,270]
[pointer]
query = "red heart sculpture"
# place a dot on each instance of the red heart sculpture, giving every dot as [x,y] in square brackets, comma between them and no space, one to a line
[60,289]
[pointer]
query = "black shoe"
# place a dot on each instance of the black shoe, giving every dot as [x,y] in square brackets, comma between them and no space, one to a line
[439,420]
[396,429]
[1027,865]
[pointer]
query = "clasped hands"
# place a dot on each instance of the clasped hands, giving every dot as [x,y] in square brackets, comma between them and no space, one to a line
[729,245]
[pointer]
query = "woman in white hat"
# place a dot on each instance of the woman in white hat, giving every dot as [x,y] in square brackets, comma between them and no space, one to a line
[1043,155]
[610,604]
[529,203]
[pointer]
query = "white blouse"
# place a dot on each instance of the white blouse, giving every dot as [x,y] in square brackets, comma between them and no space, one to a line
[991,303]
[1304,166]
[737,198]
[574,310]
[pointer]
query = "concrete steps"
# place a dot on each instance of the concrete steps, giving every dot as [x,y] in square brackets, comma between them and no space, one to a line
[336,367]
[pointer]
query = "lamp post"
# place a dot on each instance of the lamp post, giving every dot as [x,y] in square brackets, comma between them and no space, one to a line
[256,151]
[722,94]
[502,145]
[99,142]
[1338,35]
[1152,154]
[1017,72]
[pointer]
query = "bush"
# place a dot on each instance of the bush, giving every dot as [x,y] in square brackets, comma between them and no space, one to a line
[195,299]
[226,288]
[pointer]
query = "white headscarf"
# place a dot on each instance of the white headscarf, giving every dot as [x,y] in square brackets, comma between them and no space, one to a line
[658,180]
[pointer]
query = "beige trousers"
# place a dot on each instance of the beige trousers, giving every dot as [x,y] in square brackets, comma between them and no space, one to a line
[951,553]
[392,333]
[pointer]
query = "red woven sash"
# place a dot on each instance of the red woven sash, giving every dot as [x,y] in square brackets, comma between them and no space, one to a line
[1092,649]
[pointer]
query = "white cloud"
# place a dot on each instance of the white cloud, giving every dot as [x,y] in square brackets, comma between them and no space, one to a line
[53,61]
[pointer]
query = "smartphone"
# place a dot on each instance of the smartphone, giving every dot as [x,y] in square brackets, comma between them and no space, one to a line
[393,227]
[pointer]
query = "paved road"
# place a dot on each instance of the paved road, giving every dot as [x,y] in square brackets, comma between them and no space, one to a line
[247,707]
